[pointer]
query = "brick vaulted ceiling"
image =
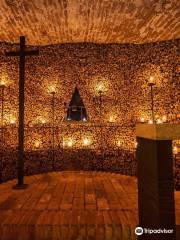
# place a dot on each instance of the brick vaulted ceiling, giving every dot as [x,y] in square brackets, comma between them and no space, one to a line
[46,22]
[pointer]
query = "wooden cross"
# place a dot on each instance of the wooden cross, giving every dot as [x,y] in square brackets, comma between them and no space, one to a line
[22,53]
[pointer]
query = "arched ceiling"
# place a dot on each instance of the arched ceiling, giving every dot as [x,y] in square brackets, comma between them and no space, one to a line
[46,22]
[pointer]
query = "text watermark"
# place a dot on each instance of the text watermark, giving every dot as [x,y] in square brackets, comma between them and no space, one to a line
[140,231]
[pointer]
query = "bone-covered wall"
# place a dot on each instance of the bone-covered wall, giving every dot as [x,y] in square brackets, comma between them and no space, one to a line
[120,71]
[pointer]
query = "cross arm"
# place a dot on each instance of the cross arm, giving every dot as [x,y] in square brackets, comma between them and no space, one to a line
[32,52]
[19,53]
[9,54]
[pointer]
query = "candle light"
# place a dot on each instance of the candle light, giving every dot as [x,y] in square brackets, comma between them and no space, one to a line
[70,143]
[86,141]
[151,79]
[101,87]
[12,121]
[119,143]
[142,119]
[37,144]
[2,83]
[43,121]
[150,121]
[111,119]
[164,118]
[52,89]
[175,150]
[159,121]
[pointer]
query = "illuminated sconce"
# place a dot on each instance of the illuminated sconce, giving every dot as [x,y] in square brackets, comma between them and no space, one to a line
[67,143]
[2,83]
[135,144]
[63,142]
[119,143]
[164,119]
[12,121]
[100,88]
[175,150]
[43,121]
[142,119]
[70,143]
[151,80]
[37,144]
[159,121]
[111,119]
[150,121]
[52,89]
[4,79]
[86,141]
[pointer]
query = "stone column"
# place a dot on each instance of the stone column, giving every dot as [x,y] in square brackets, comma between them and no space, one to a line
[155,179]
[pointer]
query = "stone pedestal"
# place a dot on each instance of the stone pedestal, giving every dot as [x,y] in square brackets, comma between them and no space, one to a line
[155,179]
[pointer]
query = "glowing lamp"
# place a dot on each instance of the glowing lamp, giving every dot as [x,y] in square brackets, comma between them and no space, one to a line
[135,144]
[150,121]
[111,119]
[100,88]
[142,119]
[164,118]
[69,143]
[37,144]
[175,150]
[52,89]
[86,142]
[2,83]
[151,80]
[43,121]
[12,121]
[119,143]
[159,121]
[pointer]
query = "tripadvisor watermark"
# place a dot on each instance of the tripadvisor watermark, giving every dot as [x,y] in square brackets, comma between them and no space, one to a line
[140,231]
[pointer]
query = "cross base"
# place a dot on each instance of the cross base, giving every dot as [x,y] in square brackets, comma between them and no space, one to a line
[20,186]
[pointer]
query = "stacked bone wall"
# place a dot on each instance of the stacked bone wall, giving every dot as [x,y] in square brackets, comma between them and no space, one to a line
[121,71]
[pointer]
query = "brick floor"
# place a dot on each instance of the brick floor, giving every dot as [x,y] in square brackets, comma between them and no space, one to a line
[71,205]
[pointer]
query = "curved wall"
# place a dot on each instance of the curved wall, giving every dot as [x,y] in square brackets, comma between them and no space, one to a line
[120,71]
